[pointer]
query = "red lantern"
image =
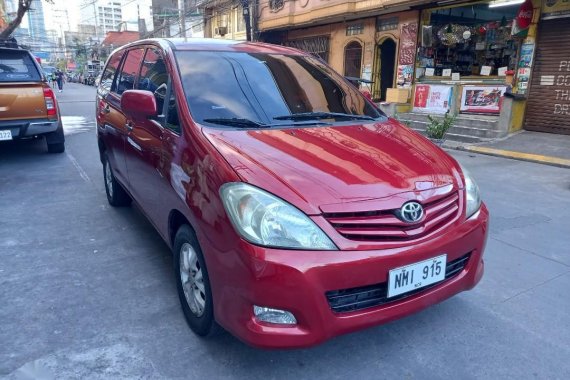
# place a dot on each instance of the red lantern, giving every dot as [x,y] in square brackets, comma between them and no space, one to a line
[524,15]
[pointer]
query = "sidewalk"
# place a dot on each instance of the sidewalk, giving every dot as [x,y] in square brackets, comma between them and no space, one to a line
[543,148]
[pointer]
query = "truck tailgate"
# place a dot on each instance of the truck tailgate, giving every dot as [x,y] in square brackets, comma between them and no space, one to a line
[22,100]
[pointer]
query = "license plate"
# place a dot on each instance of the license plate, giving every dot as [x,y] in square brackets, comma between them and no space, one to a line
[6,135]
[415,276]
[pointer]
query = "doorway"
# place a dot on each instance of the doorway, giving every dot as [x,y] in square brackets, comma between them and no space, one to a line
[385,63]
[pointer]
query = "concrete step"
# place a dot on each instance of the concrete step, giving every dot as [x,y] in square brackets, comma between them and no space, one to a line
[466,129]
[477,121]
[461,130]
[458,137]
[466,138]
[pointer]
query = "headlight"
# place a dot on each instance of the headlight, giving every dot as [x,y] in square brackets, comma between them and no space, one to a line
[472,191]
[264,219]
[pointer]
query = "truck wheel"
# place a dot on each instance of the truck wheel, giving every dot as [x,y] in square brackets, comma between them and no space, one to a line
[56,148]
[116,195]
[56,140]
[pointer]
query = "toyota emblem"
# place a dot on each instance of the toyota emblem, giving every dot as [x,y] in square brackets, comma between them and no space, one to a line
[411,212]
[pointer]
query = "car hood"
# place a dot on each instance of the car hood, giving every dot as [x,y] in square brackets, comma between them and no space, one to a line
[328,169]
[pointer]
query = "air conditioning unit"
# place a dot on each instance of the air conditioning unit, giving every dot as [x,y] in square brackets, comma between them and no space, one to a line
[221,30]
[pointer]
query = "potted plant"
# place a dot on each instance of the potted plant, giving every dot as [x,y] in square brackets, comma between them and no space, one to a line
[438,127]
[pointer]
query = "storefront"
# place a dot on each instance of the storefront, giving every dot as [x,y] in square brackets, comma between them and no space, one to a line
[378,49]
[468,55]
[548,108]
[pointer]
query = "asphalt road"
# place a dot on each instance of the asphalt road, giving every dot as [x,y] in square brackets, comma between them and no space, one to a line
[87,291]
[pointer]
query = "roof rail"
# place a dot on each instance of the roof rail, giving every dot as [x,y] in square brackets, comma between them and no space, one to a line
[10,43]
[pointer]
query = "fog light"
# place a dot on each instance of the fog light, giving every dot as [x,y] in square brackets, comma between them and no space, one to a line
[281,317]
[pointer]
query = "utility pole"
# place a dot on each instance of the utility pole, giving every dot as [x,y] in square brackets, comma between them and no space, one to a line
[247,17]
[255,21]
[95,12]
[182,18]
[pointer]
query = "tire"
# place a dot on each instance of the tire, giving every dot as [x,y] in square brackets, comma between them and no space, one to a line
[195,295]
[56,148]
[116,195]
[56,140]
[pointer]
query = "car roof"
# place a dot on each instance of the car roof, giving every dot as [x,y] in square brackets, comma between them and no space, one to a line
[213,44]
[3,48]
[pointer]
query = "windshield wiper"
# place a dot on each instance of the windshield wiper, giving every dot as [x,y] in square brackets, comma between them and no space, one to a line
[237,122]
[323,115]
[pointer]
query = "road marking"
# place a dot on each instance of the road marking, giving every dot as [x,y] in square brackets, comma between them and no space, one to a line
[78,167]
[538,158]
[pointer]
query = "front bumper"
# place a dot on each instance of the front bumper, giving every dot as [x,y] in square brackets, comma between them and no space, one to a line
[297,281]
[30,127]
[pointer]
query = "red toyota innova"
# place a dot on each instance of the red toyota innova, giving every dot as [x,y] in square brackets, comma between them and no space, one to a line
[295,209]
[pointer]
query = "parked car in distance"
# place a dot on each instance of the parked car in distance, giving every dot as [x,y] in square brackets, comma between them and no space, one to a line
[48,70]
[295,209]
[28,106]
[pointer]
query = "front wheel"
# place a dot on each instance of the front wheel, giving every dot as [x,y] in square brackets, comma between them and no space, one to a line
[193,283]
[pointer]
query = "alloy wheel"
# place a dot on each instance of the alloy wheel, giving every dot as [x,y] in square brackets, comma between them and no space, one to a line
[192,280]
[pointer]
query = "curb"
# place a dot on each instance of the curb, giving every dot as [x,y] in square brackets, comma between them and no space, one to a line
[520,156]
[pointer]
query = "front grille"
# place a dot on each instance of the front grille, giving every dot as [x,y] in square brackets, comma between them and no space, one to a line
[345,300]
[383,225]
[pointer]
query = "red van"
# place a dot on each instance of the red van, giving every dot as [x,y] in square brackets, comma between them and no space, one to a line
[295,209]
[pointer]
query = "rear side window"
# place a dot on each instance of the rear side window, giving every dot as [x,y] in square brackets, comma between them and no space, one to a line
[109,73]
[154,77]
[127,77]
[17,66]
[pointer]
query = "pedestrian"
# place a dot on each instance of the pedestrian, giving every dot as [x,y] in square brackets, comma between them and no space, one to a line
[59,79]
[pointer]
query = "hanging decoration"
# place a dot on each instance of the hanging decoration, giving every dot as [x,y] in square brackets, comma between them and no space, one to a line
[523,19]
[452,34]
[524,15]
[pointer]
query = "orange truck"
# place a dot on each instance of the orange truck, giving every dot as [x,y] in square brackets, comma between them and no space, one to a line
[28,106]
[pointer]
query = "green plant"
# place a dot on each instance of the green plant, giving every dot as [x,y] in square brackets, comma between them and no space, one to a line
[438,127]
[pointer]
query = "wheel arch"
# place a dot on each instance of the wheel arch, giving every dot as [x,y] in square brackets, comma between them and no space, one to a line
[102,148]
[176,219]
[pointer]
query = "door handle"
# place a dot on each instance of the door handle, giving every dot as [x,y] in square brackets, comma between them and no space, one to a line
[129,126]
[106,109]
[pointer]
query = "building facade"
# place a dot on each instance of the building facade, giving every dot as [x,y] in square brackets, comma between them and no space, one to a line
[224,19]
[36,22]
[104,15]
[472,59]
[372,40]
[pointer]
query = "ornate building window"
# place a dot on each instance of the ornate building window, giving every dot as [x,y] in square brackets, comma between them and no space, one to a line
[354,29]
[385,24]
[276,5]
[352,59]
[318,46]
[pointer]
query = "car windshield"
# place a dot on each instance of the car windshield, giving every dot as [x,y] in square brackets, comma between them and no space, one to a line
[268,89]
[17,66]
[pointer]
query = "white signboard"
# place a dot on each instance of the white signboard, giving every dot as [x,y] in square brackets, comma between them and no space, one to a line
[432,98]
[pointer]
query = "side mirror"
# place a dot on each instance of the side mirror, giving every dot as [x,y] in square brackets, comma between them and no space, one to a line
[138,104]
